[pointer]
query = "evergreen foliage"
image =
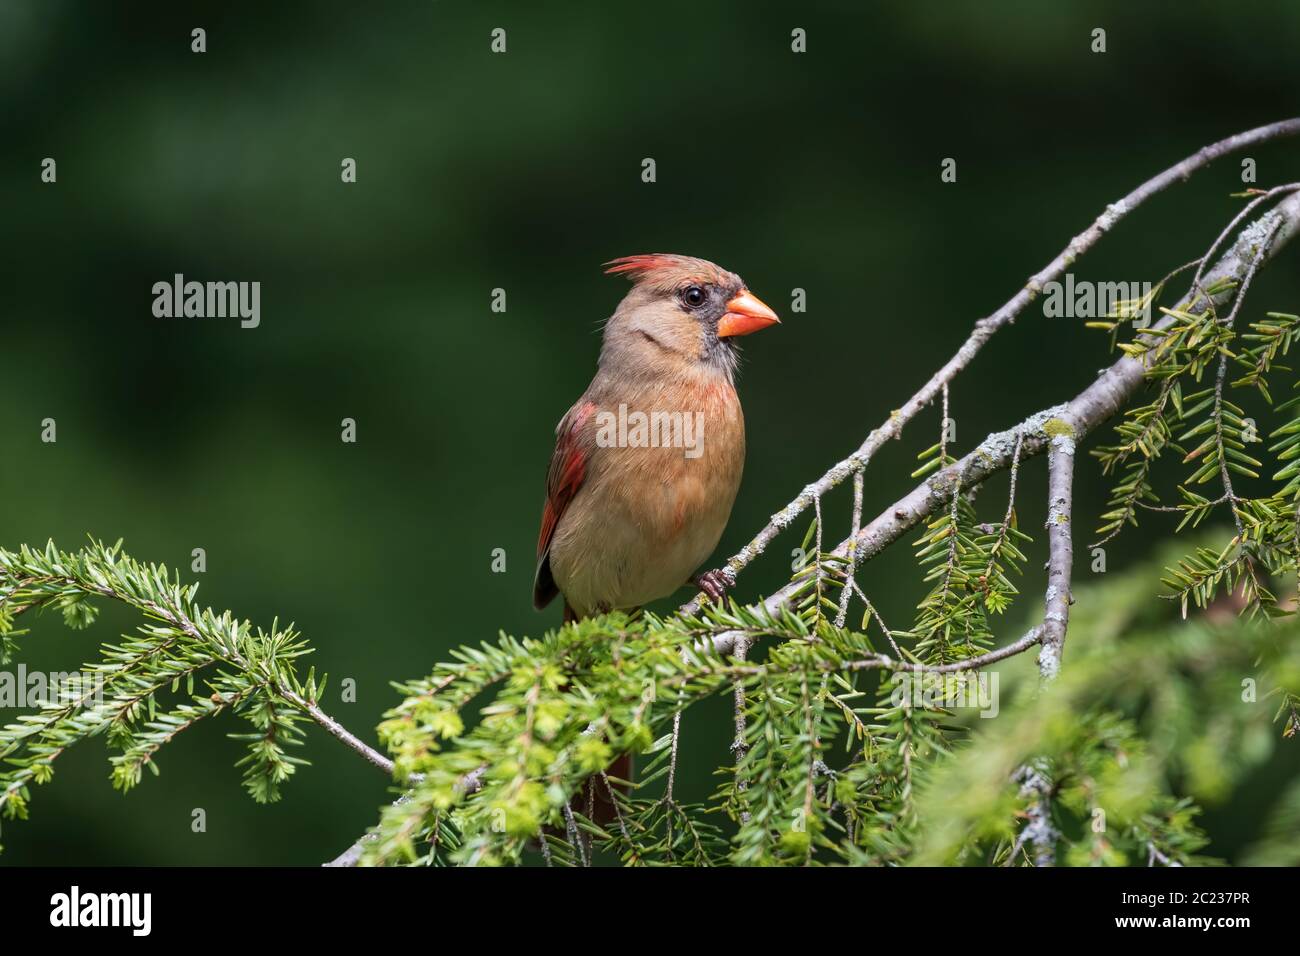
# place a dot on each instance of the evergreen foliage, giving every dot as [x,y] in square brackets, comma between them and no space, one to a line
[849,748]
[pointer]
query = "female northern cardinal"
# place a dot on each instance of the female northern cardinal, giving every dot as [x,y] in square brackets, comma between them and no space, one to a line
[648,461]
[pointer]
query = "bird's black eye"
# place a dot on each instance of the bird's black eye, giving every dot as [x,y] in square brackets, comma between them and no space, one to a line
[694,297]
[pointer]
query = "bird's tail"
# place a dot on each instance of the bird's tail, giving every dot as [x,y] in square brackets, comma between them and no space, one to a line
[595,800]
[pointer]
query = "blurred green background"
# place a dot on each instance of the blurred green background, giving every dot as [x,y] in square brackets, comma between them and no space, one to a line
[522,171]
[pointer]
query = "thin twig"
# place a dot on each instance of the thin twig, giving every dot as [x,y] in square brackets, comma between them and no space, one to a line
[373,756]
[1004,531]
[575,838]
[739,747]
[850,585]
[470,783]
[1236,221]
[871,609]
[178,619]
[1220,378]
[672,757]
[943,427]
[817,591]
[878,662]
[618,814]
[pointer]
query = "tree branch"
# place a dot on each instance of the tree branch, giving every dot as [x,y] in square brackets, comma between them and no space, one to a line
[1060,501]
[470,783]
[1084,413]
[984,330]
[179,620]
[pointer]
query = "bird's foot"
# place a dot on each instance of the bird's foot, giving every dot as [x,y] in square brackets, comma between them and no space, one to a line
[715,583]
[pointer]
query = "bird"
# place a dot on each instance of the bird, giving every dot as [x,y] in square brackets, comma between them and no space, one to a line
[648,461]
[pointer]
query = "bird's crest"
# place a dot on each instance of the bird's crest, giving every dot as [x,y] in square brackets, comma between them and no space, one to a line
[668,271]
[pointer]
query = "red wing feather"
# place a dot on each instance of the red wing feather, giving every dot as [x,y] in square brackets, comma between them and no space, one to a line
[563,479]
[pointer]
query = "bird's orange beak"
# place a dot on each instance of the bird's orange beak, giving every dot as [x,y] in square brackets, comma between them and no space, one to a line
[745,314]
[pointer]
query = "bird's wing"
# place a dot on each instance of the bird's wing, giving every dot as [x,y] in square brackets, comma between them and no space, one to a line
[563,479]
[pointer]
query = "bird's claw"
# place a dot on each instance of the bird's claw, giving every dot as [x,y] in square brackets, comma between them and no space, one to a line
[714,583]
